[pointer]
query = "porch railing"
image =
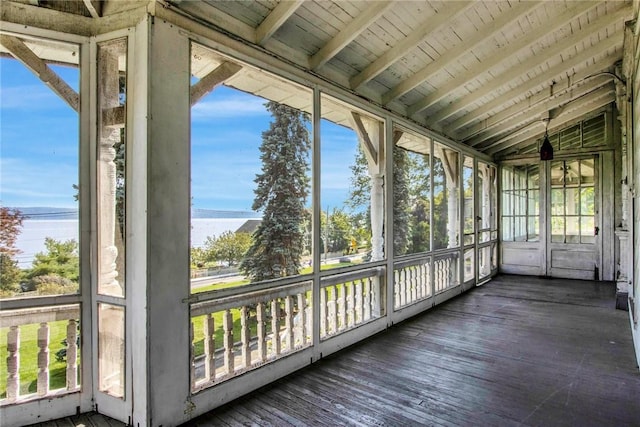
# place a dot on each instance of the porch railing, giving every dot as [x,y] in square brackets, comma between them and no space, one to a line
[247,330]
[414,280]
[350,299]
[13,322]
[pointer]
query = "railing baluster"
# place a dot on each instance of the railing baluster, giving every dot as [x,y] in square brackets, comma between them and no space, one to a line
[13,363]
[302,307]
[245,337]
[227,325]
[43,359]
[72,354]
[262,332]
[192,357]
[333,311]
[367,298]
[209,347]
[351,302]
[403,288]
[323,312]
[358,286]
[396,288]
[414,283]
[289,322]
[275,327]
[342,307]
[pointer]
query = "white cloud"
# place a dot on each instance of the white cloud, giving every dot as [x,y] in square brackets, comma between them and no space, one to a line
[28,97]
[230,107]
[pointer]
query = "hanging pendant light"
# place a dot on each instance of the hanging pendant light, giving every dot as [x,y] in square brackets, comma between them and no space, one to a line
[546,150]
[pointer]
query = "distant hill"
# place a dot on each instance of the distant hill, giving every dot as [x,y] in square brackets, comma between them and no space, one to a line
[49,213]
[40,212]
[215,213]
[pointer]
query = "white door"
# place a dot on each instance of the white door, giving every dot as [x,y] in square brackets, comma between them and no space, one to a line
[574,244]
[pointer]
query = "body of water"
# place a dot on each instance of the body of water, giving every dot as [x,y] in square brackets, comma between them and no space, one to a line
[31,240]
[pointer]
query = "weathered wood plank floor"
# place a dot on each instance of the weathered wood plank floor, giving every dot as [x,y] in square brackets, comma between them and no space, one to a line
[516,351]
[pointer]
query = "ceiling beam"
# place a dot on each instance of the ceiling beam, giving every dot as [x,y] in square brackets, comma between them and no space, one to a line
[276,19]
[349,33]
[480,38]
[22,53]
[507,118]
[410,42]
[575,9]
[94,7]
[559,73]
[534,61]
[216,77]
[541,109]
[604,96]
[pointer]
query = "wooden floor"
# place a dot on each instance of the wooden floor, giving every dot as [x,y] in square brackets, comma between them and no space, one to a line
[518,351]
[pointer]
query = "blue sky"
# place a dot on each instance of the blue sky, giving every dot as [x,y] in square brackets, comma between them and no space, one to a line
[39,146]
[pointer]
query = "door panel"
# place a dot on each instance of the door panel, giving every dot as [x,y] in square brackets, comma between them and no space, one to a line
[574,244]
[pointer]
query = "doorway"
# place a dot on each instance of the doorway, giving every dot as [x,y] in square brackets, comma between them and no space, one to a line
[574,244]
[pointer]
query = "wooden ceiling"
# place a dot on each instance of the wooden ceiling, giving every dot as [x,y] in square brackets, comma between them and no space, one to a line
[483,73]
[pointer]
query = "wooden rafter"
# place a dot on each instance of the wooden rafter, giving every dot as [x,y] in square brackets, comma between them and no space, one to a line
[537,104]
[94,7]
[216,77]
[397,134]
[577,109]
[364,137]
[502,55]
[531,84]
[396,52]
[482,37]
[349,33]
[275,19]
[526,66]
[22,53]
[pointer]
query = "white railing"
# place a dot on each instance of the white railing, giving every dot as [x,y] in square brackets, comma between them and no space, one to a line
[13,322]
[246,330]
[350,299]
[412,281]
[446,271]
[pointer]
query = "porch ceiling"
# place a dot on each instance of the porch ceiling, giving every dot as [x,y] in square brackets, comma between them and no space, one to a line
[478,72]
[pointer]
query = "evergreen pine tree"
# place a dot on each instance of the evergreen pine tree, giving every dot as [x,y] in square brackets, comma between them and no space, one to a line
[401,202]
[281,193]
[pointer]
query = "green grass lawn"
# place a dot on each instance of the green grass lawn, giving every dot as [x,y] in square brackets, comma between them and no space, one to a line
[29,357]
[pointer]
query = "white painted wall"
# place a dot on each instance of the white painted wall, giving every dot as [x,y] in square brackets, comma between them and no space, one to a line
[635,184]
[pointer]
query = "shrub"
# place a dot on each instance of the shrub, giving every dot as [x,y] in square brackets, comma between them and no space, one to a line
[52,284]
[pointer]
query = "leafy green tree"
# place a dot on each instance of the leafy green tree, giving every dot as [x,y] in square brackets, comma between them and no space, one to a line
[59,259]
[420,226]
[10,275]
[198,257]
[281,193]
[229,247]
[339,231]
[10,227]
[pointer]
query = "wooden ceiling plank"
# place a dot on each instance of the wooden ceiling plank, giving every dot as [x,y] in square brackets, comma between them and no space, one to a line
[276,19]
[349,33]
[216,77]
[538,107]
[524,67]
[22,53]
[575,9]
[94,7]
[410,42]
[480,38]
[508,123]
[588,103]
[530,85]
